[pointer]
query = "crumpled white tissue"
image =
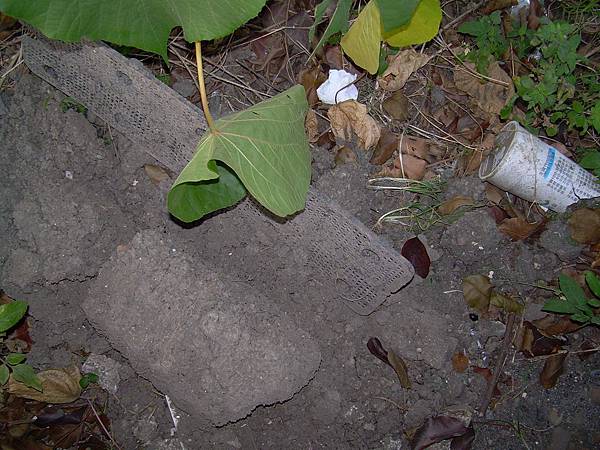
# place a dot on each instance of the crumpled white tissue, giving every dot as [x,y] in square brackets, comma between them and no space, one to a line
[336,81]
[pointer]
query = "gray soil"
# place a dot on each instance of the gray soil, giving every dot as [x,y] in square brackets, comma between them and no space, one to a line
[84,229]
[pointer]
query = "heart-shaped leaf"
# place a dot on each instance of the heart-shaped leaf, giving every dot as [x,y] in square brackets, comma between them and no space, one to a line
[53,386]
[11,313]
[395,14]
[422,27]
[267,148]
[144,25]
[363,39]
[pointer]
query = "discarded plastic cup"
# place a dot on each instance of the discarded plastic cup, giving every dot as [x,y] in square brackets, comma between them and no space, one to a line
[526,166]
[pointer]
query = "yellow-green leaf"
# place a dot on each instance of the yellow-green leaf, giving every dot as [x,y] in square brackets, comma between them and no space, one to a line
[423,26]
[363,39]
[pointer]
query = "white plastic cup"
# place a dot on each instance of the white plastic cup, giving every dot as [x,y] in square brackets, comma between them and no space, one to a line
[526,166]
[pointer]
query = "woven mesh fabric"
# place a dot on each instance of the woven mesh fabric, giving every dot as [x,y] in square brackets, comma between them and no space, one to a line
[362,269]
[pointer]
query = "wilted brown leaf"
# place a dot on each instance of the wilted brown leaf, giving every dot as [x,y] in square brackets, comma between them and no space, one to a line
[411,167]
[400,368]
[518,228]
[334,57]
[553,369]
[400,67]
[397,106]
[415,146]
[495,5]
[351,116]
[376,348]
[326,140]
[451,205]
[506,303]
[534,343]
[312,126]
[156,173]
[460,362]
[493,193]
[585,225]
[555,325]
[498,214]
[344,155]
[477,291]
[311,78]
[416,253]
[488,96]
[386,146]
[437,429]
[59,386]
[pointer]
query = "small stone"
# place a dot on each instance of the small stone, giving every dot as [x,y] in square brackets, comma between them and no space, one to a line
[185,87]
[107,370]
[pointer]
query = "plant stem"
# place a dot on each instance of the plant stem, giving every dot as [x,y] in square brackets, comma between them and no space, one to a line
[207,114]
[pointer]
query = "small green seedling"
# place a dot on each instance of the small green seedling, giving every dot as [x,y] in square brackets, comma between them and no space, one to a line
[574,302]
[68,103]
[10,362]
[88,379]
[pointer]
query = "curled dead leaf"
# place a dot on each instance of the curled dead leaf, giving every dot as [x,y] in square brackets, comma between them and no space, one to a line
[451,205]
[351,116]
[437,429]
[416,253]
[397,106]
[387,145]
[59,386]
[418,147]
[553,369]
[533,342]
[506,303]
[490,97]
[312,126]
[400,368]
[411,167]
[519,229]
[400,67]
[477,290]
[311,78]
[460,362]
[156,173]
[493,193]
[344,155]
[585,225]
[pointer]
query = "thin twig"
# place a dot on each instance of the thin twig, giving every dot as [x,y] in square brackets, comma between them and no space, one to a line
[102,424]
[506,343]
[463,15]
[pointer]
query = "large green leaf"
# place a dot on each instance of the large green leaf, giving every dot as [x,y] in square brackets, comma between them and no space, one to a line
[396,13]
[142,24]
[423,26]
[571,290]
[265,146]
[337,24]
[363,40]
[11,313]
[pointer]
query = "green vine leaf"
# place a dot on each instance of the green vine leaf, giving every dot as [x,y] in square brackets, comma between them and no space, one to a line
[142,24]
[4,374]
[395,14]
[337,24]
[11,313]
[15,358]
[266,147]
[24,373]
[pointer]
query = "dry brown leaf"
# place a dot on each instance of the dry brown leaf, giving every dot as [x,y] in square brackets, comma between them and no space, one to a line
[460,362]
[488,96]
[493,193]
[156,173]
[344,155]
[387,145]
[59,386]
[533,342]
[351,116]
[506,303]
[397,106]
[451,205]
[333,57]
[400,67]
[495,5]
[311,78]
[400,368]
[518,229]
[553,368]
[411,167]
[585,226]
[477,290]
[554,325]
[415,146]
[312,126]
